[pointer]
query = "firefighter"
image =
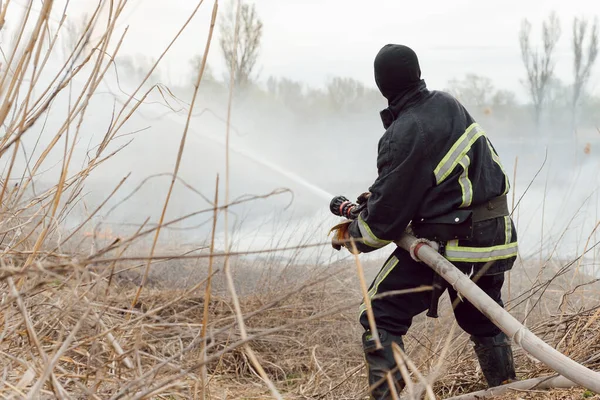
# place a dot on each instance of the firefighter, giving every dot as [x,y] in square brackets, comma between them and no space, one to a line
[439,176]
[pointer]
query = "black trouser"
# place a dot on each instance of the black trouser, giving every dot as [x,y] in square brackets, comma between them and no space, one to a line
[394,313]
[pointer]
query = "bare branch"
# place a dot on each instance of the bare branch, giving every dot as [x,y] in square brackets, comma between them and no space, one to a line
[539,67]
[582,63]
[248,44]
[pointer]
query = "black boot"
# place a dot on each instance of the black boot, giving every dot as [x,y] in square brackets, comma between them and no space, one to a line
[379,362]
[495,358]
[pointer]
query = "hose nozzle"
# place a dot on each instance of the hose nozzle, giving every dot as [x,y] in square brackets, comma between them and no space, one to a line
[342,207]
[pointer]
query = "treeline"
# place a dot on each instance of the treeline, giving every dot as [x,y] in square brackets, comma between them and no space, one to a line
[555,107]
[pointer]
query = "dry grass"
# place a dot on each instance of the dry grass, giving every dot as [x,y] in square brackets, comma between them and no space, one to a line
[304,334]
[556,394]
[114,322]
[161,335]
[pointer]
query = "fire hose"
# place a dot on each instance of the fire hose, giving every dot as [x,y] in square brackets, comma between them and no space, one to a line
[520,335]
[425,252]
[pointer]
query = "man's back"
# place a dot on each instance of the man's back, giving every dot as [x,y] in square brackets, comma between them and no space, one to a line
[465,169]
[434,162]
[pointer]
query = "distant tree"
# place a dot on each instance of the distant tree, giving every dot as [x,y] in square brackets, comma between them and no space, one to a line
[558,96]
[539,67]
[589,111]
[343,92]
[195,64]
[558,102]
[272,85]
[248,31]
[137,67]
[504,98]
[582,64]
[473,90]
[287,91]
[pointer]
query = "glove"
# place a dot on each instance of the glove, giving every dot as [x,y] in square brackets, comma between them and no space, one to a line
[341,237]
[363,198]
[341,234]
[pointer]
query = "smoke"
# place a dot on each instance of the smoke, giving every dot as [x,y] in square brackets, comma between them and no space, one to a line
[302,148]
[308,160]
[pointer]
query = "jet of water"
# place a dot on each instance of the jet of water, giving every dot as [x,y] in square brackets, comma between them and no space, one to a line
[260,160]
[282,171]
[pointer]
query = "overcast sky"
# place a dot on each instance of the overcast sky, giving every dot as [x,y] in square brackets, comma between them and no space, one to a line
[312,40]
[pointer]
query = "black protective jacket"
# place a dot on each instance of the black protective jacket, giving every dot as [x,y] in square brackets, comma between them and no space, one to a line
[435,158]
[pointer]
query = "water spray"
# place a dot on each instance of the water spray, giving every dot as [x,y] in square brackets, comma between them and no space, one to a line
[266,163]
[274,167]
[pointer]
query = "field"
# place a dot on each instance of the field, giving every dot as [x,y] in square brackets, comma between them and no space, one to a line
[75,325]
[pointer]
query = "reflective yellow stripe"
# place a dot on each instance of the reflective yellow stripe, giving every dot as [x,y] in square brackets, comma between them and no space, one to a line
[465,183]
[385,271]
[457,152]
[496,159]
[480,254]
[507,229]
[368,237]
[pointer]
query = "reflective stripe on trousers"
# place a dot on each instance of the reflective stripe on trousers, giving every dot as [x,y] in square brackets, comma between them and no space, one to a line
[385,271]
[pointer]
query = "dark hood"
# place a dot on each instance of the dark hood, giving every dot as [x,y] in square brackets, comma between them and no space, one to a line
[398,77]
[396,70]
